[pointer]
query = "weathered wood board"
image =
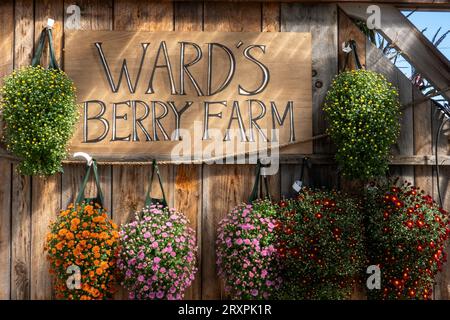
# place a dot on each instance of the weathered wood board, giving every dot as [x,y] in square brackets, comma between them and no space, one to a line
[194,95]
[205,193]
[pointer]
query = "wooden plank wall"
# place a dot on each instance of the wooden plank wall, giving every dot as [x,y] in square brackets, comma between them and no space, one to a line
[204,192]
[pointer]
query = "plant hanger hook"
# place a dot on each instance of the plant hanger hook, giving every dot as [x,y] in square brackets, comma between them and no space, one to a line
[84,155]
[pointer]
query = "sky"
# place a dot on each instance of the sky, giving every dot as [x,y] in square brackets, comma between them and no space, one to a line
[432,21]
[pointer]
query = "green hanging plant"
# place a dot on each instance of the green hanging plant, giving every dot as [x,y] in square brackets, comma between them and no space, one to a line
[362,109]
[39,113]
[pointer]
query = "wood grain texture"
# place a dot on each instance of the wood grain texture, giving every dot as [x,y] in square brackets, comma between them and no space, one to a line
[271,23]
[187,197]
[6,66]
[271,17]
[321,21]
[349,31]
[289,81]
[71,183]
[376,61]
[188,178]
[289,174]
[423,176]
[5,229]
[24,33]
[43,10]
[227,16]
[94,14]
[130,182]
[224,187]
[6,37]
[143,15]
[188,16]
[45,207]
[20,236]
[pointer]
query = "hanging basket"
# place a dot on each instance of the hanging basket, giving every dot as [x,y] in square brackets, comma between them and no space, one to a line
[39,113]
[158,254]
[83,243]
[406,232]
[245,248]
[363,113]
[320,245]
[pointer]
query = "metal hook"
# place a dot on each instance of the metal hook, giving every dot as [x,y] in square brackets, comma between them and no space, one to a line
[84,155]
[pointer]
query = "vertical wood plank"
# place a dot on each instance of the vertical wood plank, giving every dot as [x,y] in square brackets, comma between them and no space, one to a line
[349,31]
[270,16]
[188,184]
[271,23]
[45,206]
[95,15]
[188,190]
[46,191]
[128,195]
[143,15]
[5,229]
[6,66]
[21,185]
[188,16]
[376,61]
[21,236]
[289,174]
[6,37]
[133,15]
[225,186]
[232,16]
[53,9]
[423,141]
[441,288]
[321,21]
[24,33]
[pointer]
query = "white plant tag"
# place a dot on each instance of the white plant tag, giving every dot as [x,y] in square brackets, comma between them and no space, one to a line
[50,23]
[346,48]
[297,186]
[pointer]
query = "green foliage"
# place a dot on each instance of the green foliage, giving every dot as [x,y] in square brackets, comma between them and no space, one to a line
[40,112]
[320,244]
[406,232]
[362,110]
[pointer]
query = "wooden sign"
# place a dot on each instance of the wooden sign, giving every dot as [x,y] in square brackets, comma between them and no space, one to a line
[191,95]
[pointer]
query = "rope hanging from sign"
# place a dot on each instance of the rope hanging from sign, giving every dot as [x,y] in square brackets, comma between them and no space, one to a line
[150,200]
